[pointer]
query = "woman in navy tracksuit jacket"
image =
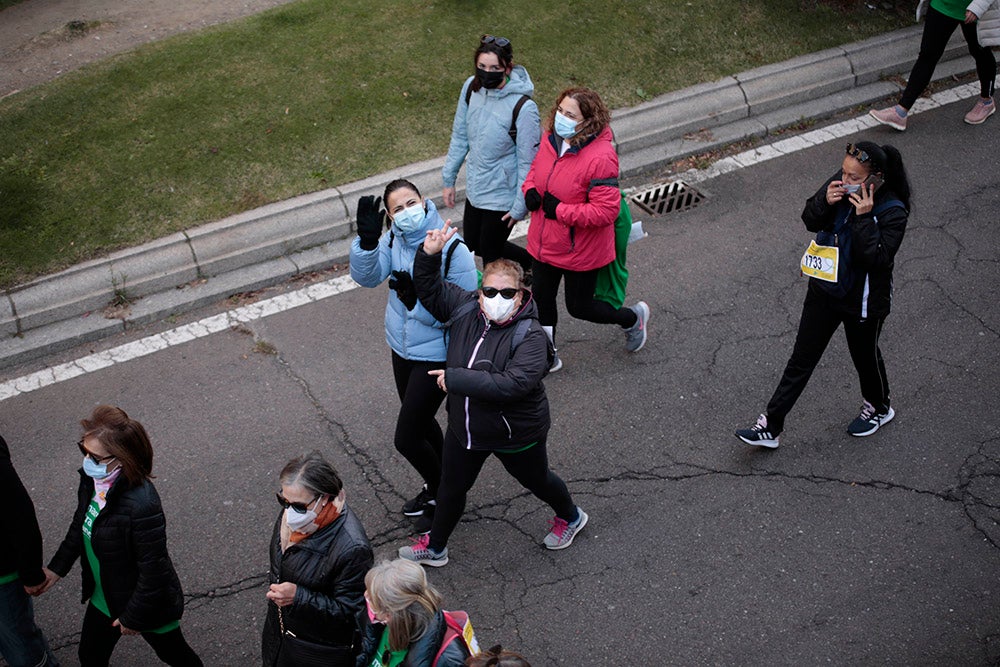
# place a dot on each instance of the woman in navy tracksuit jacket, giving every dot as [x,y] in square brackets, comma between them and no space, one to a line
[497,357]
[866,206]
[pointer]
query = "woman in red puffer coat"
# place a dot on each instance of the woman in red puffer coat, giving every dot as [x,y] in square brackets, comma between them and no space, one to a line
[572,193]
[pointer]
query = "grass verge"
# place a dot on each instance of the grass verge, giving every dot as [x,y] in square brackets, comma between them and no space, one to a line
[322,92]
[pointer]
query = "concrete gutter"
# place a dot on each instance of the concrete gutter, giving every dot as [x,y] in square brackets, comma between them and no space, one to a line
[268,245]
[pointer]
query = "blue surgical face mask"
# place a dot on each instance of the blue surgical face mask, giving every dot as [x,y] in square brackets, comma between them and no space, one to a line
[851,189]
[564,127]
[94,470]
[410,219]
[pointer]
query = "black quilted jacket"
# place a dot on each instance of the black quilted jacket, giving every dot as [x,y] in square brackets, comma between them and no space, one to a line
[129,537]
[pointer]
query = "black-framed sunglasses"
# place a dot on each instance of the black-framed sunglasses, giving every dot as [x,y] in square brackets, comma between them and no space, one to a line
[298,508]
[857,153]
[507,292]
[492,39]
[92,456]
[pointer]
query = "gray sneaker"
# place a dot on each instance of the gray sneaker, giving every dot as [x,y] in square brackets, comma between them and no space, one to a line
[563,532]
[635,335]
[421,553]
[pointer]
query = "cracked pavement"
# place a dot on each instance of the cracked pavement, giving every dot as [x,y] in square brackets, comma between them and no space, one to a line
[700,550]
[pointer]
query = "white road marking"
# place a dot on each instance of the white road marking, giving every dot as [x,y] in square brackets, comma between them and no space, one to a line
[320,291]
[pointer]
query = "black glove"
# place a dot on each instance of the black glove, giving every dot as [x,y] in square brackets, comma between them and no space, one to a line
[549,203]
[369,221]
[405,289]
[532,199]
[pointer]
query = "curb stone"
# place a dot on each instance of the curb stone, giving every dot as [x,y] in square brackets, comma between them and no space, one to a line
[266,246]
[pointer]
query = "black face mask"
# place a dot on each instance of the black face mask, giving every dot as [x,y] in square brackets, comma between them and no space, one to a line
[490,79]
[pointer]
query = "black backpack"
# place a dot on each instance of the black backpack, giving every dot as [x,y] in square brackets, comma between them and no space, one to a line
[513,120]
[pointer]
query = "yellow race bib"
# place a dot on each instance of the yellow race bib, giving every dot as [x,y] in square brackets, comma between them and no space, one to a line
[821,262]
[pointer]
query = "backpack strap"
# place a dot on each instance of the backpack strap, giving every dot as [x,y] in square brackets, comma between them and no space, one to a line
[886,205]
[468,93]
[513,119]
[447,256]
[461,312]
[520,331]
[456,626]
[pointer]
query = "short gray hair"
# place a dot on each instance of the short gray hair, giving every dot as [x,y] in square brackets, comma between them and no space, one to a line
[313,472]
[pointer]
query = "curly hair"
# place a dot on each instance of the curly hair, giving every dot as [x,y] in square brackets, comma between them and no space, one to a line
[596,116]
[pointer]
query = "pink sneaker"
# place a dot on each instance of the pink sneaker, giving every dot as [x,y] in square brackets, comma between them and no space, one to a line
[983,110]
[890,117]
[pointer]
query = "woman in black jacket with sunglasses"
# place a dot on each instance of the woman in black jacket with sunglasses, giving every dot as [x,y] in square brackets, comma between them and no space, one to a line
[497,357]
[319,556]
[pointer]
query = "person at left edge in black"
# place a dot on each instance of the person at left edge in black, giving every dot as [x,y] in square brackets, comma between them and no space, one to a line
[22,643]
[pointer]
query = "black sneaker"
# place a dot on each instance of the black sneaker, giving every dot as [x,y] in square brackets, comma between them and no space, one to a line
[758,435]
[417,505]
[423,524]
[870,420]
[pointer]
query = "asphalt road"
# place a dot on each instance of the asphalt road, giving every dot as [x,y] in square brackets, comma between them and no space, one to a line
[700,550]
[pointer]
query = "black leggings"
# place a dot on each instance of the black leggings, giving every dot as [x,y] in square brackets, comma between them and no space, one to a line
[938,29]
[486,234]
[418,435]
[820,319]
[98,639]
[580,301]
[461,468]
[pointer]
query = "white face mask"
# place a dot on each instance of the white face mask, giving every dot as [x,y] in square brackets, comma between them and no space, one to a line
[302,523]
[497,308]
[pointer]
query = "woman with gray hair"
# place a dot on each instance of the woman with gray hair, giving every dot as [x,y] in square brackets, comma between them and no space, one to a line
[405,624]
[319,556]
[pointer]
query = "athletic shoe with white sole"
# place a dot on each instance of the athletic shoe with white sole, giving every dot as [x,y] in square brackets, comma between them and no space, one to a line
[420,552]
[889,116]
[635,335]
[759,434]
[870,420]
[563,532]
[417,505]
[984,109]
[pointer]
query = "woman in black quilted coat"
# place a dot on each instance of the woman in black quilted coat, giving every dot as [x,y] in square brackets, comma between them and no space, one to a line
[319,557]
[119,534]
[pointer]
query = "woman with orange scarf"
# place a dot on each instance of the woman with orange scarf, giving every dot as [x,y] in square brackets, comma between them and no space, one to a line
[319,556]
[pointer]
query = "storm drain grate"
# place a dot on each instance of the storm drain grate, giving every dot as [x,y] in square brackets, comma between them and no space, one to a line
[667,198]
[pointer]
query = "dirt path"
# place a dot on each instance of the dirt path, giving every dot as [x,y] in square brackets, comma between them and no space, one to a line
[37,45]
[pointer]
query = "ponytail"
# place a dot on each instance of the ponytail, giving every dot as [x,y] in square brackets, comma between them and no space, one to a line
[894,175]
[887,160]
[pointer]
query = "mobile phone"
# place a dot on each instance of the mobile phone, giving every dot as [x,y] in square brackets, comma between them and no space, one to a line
[873,179]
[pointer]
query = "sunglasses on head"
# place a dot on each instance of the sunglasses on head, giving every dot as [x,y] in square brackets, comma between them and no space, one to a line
[506,292]
[92,456]
[857,153]
[491,39]
[298,508]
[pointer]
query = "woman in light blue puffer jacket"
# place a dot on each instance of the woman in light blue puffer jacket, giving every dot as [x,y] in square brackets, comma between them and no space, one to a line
[417,339]
[496,133]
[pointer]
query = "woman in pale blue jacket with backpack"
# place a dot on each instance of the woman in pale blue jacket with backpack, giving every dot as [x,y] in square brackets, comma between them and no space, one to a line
[417,339]
[496,133]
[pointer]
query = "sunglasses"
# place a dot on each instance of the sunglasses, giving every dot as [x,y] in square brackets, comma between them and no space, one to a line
[507,292]
[499,41]
[298,508]
[92,456]
[857,153]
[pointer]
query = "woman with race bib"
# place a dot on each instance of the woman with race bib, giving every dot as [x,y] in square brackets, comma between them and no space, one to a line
[859,216]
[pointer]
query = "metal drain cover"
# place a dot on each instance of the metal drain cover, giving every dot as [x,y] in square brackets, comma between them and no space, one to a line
[667,198]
